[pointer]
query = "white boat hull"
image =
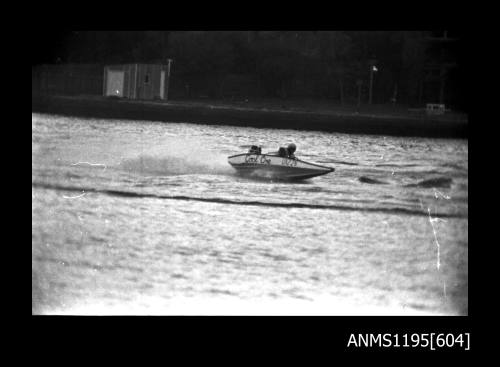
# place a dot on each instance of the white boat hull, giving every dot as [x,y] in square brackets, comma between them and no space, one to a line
[276,167]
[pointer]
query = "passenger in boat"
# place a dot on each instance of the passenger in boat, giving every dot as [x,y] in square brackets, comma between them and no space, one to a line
[254,149]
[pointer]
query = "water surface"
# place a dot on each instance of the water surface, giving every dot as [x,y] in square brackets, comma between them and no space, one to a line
[149,218]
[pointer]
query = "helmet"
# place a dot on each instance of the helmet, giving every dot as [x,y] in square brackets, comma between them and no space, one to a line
[291,147]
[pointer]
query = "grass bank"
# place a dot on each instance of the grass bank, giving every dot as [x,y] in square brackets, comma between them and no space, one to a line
[301,115]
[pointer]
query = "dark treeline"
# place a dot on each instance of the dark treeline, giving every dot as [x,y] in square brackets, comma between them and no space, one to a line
[414,67]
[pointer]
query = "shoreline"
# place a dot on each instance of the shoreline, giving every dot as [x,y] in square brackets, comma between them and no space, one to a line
[340,120]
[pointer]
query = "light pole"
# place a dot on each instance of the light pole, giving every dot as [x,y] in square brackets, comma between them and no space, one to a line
[373,69]
[169,61]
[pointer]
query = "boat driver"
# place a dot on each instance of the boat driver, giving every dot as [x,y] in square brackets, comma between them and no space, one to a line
[291,149]
[288,151]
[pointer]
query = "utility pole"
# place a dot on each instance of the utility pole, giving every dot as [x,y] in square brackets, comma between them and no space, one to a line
[169,61]
[373,69]
[442,79]
[394,95]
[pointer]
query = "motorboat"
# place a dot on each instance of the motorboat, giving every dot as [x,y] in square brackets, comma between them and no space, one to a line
[275,165]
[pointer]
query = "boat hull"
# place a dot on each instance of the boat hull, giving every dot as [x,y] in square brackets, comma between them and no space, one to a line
[276,167]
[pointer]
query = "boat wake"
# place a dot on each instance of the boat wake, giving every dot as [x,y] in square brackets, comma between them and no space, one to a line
[437,182]
[172,165]
[132,194]
[176,157]
[369,180]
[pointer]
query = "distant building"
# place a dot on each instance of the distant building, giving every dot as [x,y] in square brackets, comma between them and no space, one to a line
[135,81]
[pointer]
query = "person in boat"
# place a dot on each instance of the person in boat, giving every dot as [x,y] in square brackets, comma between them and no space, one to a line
[254,149]
[287,152]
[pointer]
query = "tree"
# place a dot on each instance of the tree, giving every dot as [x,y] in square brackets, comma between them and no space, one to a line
[412,65]
[276,64]
[335,53]
[205,55]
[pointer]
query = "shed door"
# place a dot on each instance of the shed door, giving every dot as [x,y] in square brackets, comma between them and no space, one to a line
[115,83]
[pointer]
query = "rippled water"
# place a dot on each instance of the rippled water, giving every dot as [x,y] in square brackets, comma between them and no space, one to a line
[149,218]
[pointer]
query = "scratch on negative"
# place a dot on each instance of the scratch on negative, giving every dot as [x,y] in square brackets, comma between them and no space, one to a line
[438,263]
[73,197]
[90,164]
[436,192]
[431,220]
